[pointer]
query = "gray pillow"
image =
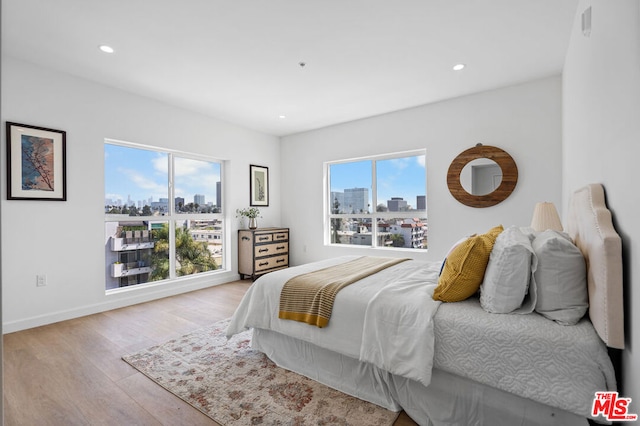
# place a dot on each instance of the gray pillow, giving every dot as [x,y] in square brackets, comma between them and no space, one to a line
[506,280]
[560,278]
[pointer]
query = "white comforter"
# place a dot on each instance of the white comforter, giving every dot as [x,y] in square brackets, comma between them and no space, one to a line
[391,332]
[390,319]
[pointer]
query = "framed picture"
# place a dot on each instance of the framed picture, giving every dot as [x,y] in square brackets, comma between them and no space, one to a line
[259,183]
[36,163]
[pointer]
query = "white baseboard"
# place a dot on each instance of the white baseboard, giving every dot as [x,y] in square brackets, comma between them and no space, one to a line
[121,298]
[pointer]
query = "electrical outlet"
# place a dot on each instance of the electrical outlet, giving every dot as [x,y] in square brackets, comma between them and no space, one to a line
[41,280]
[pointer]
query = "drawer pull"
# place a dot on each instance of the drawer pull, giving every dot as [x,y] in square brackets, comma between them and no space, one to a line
[280,248]
[245,238]
[280,261]
[262,250]
[263,264]
[263,238]
[280,237]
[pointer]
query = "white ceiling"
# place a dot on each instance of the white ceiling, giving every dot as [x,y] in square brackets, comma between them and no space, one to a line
[238,60]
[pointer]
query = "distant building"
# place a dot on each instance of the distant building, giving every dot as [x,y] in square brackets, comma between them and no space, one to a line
[161,206]
[356,200]
[421,202]
[413,232]
[363,236]
[397,204]
[199,199]
[179,202]
[218,194]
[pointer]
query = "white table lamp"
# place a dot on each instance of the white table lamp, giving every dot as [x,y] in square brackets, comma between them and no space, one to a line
[545,216]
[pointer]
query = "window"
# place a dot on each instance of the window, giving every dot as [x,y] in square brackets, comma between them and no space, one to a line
[378,201]
[163,214]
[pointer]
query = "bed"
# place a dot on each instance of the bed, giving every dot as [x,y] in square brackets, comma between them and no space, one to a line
[389,342]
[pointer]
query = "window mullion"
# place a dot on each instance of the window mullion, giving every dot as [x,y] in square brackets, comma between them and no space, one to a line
[172,218]
[374,202]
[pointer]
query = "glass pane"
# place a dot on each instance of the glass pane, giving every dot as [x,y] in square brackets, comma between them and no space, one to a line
[401,184]
[136,252]
[350,187]
[136,181]
[353,230]
[197,186]
[403,233]
[198,246]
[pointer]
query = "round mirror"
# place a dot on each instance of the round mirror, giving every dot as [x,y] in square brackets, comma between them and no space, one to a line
[490,177]
[481,176]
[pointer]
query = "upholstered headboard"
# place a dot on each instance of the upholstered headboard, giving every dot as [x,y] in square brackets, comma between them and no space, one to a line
[589,224]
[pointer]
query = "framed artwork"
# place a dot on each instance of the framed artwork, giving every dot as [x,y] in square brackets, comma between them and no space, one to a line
[259,184]
[36,163]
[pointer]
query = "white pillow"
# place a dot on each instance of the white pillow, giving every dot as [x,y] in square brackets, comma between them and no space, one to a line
[560,278]
[529,232]
[506,280]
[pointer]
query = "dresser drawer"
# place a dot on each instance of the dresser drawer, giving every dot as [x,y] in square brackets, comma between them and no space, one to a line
[271,249]
[281,236]
[264,238]
[271,262]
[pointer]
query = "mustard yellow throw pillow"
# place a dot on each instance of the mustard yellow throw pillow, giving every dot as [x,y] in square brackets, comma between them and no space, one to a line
[464,269]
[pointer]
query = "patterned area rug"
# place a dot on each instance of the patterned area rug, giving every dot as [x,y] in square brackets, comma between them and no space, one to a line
[236,385]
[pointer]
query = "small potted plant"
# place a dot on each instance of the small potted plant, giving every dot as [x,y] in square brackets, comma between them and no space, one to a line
[252,213]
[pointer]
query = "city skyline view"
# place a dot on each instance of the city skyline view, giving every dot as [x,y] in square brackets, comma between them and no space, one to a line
[398,177]
[141,175]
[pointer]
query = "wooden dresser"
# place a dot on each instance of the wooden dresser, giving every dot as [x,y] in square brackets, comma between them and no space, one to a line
[262,250]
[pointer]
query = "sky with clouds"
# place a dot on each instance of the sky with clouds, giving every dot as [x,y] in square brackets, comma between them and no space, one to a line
[398,177]
[143,174]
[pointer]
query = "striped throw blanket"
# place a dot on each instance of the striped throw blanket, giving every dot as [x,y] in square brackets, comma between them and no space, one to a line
[309,297]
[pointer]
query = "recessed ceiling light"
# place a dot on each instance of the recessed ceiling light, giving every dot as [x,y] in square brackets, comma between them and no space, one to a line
[282,116]
[458,67]
[106,49]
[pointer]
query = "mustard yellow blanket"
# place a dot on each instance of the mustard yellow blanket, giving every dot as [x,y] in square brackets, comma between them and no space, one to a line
[309,297]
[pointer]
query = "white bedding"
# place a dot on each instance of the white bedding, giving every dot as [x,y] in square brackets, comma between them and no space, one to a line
[380,328]
[377,320]
[448,400]
[528,355]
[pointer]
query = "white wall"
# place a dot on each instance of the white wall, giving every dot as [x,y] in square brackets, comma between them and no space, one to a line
[524,120]
[601,140]
[65,240]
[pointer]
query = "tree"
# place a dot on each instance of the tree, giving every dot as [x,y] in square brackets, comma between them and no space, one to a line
[160,255]
[192,256]
[397,240]
[335,223]
[146,211]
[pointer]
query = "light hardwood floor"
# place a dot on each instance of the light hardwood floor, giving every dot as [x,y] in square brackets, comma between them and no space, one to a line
[71,372]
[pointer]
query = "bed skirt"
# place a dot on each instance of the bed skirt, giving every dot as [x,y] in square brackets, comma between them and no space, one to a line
[448,400]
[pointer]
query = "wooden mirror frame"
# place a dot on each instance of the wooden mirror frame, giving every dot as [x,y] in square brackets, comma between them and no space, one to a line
[507,185]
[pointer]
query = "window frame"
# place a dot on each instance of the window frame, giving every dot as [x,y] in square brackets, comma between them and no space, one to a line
[172,216]
[374,215]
